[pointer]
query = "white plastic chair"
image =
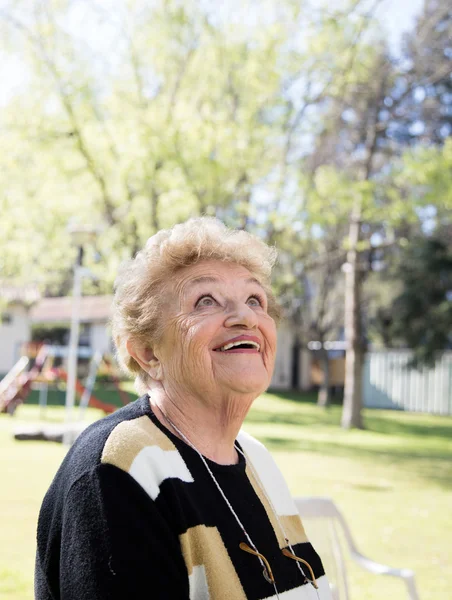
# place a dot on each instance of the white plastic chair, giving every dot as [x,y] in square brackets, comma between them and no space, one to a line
[319,510]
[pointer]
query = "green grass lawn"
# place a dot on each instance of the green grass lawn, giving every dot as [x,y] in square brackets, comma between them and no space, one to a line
[393,483]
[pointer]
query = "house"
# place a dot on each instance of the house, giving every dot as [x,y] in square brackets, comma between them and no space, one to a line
[26,317]
[51,313]
[15,303]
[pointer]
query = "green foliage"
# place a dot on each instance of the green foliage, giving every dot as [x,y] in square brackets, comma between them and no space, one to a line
[428,171]
[173,125]
[140,117]
[421,315]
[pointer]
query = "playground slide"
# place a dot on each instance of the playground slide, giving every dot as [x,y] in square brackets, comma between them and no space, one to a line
[16,385]
[93,402]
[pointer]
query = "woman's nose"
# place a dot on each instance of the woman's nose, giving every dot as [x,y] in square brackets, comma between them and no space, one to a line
[241,315]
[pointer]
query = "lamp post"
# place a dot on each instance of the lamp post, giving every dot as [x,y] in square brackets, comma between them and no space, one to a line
[80,236]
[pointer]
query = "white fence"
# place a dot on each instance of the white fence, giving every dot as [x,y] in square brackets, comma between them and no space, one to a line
[388,383]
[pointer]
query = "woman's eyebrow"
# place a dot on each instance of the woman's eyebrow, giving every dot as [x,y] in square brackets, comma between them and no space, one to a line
[203,279]
[254,280]
[208,279]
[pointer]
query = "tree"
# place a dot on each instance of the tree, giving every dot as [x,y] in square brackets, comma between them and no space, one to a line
[421,315]
[327,197]
[357,161]
[325,308]
[423,91]
[310,291]
[344,188]
[173,125]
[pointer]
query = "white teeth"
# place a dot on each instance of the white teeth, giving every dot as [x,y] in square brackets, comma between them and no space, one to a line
[239,343]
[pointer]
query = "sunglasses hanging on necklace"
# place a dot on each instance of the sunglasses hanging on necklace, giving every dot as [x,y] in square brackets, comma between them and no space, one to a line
[250,547]
[291,553]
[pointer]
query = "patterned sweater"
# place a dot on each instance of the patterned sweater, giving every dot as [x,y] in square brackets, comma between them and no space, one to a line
[133,513]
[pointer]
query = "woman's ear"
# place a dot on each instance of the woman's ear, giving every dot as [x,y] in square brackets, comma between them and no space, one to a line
[146,358]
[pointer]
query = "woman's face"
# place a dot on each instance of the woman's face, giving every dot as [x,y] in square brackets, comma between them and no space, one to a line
[210,304]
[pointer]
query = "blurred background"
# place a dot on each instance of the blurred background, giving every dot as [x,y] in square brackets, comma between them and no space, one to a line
[325,128]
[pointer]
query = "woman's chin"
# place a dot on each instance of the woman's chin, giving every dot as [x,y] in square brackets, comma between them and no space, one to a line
[247,384]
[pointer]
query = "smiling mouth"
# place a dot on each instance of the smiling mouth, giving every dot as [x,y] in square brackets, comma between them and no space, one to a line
[236,347]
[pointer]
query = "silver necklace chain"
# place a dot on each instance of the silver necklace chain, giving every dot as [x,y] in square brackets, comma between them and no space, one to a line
[259,483]
[185,438]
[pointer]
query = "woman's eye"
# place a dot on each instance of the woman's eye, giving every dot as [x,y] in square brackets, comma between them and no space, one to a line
[255,301]
[205,301]
[208,300]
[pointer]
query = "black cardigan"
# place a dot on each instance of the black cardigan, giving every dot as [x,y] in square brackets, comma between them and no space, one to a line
[133,513]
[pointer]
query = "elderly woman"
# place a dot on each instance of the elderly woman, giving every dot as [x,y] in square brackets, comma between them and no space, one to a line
[168,498]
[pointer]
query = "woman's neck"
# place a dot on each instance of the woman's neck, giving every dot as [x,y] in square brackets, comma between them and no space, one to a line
[210,430]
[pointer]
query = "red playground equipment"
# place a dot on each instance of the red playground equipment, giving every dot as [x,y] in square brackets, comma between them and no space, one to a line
[16,386]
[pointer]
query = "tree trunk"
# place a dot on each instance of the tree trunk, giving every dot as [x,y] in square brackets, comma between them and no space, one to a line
[354,360]
[324,396]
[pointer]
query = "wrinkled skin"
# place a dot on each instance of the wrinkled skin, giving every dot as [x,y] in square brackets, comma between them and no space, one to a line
[192,382]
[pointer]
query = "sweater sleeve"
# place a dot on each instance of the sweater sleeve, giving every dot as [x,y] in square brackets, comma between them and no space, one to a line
[106,540]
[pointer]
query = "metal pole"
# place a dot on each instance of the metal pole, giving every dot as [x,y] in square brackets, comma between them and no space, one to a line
[73,350]
[43,389]
[89,384]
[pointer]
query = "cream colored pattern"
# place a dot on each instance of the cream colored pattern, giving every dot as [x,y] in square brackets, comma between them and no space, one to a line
[269,474]
[129,437]
[141,449]
[203,546]
[291,523]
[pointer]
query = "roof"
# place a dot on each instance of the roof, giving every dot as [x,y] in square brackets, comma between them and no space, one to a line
[24,294]
[92,308]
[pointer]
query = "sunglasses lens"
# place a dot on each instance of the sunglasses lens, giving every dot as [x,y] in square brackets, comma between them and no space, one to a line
[265,573]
